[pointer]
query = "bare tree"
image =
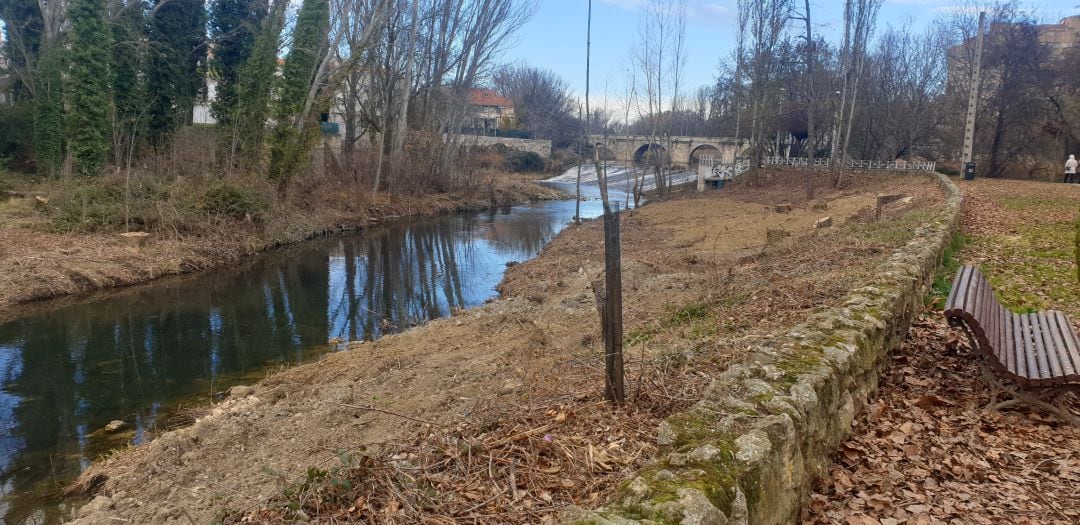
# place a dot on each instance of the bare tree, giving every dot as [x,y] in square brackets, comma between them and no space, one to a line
[659,56]
[860,16]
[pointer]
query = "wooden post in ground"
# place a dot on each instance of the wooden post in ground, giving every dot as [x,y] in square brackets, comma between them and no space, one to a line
[614,388]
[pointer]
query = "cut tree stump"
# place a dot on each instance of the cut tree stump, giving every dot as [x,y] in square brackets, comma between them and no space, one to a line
[824,222]
[135,239]
[884,200]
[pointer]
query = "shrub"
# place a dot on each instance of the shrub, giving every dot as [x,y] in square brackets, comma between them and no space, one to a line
[234,201]
[86,207]
[524,161]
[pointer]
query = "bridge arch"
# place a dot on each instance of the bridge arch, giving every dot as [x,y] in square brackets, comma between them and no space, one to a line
[651,153]
[705,149]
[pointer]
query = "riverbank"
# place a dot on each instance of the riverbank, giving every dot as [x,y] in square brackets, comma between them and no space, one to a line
[505,421]
[43,262]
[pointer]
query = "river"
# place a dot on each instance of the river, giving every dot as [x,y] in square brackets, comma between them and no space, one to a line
[142,354]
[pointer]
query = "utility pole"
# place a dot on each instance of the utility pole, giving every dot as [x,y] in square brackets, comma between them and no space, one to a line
[973,100]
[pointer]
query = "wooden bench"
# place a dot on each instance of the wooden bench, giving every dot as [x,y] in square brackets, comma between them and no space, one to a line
[1037,354]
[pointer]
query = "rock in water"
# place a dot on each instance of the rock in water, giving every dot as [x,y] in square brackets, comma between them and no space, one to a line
[114,426]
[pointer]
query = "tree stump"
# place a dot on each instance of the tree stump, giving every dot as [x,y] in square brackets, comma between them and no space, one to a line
[135,239]
[884,200]
[824,222]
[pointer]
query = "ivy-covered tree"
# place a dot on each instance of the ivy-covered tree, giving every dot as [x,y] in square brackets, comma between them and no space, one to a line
[49,111]
[177,37]
[89,88]
[234,25]
[128,59]
[293,136]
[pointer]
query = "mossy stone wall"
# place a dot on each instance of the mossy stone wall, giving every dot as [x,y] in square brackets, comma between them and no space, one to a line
[767,428]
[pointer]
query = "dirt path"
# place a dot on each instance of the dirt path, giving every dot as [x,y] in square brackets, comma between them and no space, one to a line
[519,374]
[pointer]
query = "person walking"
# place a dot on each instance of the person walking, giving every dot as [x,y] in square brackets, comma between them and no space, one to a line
[1070,170]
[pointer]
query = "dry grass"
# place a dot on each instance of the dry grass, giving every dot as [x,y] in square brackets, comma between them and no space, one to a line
[692,308]
[62,247]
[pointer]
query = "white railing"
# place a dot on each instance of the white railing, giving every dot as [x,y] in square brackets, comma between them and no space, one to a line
[905,165]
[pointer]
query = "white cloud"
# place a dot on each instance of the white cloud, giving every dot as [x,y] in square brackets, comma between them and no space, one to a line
[709,13]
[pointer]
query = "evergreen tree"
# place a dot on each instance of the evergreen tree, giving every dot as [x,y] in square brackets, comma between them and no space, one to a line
[233,27]
[128,59]
[177,36]
[253,91]
[90,87]
[292,135]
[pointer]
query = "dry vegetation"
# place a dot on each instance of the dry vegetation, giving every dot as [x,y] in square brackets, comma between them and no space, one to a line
[68,242]
[505,422]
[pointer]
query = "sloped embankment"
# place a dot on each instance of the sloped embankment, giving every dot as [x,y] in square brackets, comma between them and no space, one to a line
[766,428]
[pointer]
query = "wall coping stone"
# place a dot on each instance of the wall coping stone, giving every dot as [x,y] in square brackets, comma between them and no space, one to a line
[748,452]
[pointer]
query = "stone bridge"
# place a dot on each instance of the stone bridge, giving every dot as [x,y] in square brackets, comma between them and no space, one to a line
[683,151]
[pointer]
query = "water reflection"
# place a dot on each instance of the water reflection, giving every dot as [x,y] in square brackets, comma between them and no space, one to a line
[136,355]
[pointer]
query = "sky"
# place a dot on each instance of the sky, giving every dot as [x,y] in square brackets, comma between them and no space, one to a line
[555,38]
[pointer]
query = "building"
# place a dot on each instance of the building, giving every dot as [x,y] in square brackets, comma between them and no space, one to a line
[489,111]
[1058,39]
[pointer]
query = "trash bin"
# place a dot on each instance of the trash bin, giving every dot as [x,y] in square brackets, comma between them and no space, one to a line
[969,171]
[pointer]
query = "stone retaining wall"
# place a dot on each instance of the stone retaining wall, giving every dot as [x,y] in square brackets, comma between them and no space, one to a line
[540,147]
[749,451]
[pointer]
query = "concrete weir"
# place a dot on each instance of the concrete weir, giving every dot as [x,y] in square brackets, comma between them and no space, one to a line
[767,428]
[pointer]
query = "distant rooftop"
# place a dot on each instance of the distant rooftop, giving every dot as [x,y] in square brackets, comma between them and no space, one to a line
[488,97]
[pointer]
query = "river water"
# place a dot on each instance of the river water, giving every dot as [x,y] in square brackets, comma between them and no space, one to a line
[138,355]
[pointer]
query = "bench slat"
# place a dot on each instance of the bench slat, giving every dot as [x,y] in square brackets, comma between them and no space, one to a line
[998,338]
[1038,348]
[970,298]
[1072,346]
[1017,347]
[950,303]
[982,311]
[1006,341]
[1056,351]
[1025,361]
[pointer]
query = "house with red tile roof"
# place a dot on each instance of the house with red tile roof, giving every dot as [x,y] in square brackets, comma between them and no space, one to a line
[489,111]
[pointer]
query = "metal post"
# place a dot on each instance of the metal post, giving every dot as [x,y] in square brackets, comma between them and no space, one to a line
[612,319]
[973,97]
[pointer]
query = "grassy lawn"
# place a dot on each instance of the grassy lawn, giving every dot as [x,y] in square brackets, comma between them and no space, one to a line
[1022,235]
